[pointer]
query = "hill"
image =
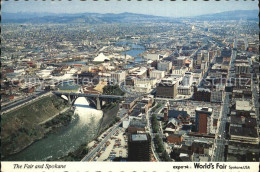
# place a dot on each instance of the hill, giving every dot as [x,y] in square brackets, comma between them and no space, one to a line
[96,18]
[231,15]
[90,18]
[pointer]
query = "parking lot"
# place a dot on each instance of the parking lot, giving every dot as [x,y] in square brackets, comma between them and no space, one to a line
[116,146]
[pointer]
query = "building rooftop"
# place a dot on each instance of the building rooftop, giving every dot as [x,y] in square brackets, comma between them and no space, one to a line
[157,71]
[141,71]
[197,71]
[177,68]
[181,58]
[240,120]
[119,71]
[168,81]
[175,113]
[100,58]
[242,64]
[243,105]
[246,132]
[204,89]
[139,137]
[138,123]
[216,66]
[204,109]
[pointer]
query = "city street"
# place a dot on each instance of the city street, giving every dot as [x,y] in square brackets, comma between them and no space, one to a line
[220,138]
[149,124]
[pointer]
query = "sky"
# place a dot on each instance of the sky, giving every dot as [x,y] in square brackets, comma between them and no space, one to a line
[168,8]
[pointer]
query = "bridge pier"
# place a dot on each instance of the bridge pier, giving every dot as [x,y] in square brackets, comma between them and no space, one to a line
[69,99]
[99,103]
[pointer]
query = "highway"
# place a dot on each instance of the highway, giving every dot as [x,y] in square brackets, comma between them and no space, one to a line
[91,154]
[21,102]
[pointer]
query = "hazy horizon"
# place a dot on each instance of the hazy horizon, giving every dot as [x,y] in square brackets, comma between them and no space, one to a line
[156,8]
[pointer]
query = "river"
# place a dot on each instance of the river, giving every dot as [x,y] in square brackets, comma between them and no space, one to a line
[82,129]
[135,51]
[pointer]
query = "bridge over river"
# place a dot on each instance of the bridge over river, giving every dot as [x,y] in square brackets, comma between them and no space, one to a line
[96,99]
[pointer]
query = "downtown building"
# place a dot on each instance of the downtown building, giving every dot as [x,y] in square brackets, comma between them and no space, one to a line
[167,88]
[164,66]
[157,74]
[203,120]
[138,72]
[243,132]
[118,76]
[243,139]
[201,94]
[139,147]
[185,87]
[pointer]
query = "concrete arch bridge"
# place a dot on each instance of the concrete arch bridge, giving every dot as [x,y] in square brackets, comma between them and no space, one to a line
[94,99]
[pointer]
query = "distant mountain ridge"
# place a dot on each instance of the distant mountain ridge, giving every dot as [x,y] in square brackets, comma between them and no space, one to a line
[91,18]
[94,18]
[231,15]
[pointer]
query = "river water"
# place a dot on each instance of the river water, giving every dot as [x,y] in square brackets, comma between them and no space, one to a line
[82,129]
[135,51]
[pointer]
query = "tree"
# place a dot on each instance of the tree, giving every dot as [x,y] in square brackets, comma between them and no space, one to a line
[160,148]
[165,156]
[157,139]
[117,119]
[155,123]
[155,129]
[159,143]
[112,89]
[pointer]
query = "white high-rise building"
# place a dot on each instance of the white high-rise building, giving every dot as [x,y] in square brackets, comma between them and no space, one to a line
[157,74]
[118,76]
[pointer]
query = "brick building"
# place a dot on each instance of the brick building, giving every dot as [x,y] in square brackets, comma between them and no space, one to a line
[203,120]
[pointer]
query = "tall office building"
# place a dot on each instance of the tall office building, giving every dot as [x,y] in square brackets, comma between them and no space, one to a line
[157,74]
[118,76]
[167,88]
[139,147]
[203,120]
